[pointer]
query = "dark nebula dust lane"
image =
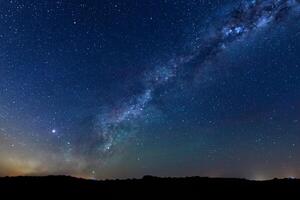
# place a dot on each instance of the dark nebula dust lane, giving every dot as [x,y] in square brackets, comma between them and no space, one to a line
[77,95]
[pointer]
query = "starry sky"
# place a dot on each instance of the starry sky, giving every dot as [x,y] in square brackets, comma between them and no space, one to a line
[124,88]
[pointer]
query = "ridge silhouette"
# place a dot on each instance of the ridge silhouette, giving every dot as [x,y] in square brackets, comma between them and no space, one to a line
[147,186]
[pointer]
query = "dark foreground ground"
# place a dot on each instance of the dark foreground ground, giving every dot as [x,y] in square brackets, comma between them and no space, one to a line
[149,186]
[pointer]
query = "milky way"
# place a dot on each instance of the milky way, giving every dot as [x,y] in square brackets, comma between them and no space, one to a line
[115,125]
[116,88]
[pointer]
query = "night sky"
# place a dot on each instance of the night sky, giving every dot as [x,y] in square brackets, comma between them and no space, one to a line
[124,88]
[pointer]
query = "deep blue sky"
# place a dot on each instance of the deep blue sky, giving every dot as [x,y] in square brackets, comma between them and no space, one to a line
[114,89]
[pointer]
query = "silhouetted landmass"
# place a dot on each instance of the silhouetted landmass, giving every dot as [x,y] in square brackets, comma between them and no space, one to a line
[148,186]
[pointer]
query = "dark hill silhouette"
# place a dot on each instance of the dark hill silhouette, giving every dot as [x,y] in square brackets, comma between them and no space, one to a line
[148,186]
